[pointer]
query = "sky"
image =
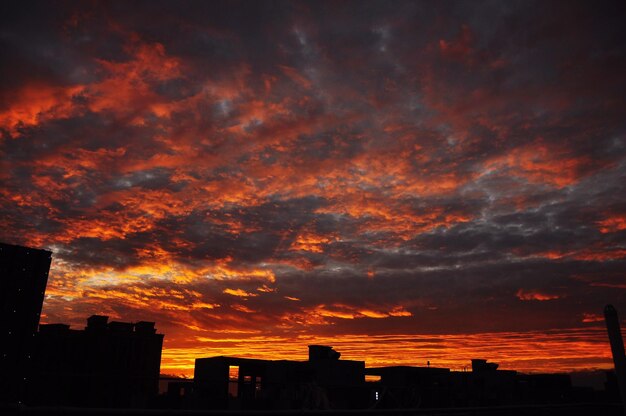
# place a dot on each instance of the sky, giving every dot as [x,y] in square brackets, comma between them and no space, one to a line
[406,181]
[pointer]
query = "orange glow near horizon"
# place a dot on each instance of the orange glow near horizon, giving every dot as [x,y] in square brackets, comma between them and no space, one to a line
[527,352]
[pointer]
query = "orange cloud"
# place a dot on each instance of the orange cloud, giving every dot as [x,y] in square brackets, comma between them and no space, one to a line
[241,308]
[240,293]
[590,254]
[592,317]
[311,242]
[539,163]
[126,87]
[380,216]
[613,285]
[319,314]
[150,297]
[399,311]
[534,295]
[35,104]
[612,224]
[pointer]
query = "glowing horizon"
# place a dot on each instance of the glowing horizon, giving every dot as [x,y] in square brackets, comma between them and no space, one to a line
[562,351]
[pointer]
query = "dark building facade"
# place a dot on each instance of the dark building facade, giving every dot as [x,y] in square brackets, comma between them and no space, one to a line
[617,349]
[23,279]
[427,387]
[404,387]
[108,364]
[322,382]
[174,392]
[326,382]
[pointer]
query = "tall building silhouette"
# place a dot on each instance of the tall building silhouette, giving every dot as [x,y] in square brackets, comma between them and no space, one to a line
[617,349]
[23,278]
[108,364]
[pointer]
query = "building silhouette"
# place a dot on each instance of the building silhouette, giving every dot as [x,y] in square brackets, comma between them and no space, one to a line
[322,382]
[108,364]
[117,365]
[325,382]
[174,392]
[23,278]
[409,387]
[617,349]
[405,387]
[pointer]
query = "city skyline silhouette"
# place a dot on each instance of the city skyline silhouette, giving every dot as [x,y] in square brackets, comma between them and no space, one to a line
[111,364]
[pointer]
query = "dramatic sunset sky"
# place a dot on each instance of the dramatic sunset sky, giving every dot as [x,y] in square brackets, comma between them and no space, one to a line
[405,181]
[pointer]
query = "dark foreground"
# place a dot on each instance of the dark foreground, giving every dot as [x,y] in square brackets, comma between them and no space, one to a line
[580,409]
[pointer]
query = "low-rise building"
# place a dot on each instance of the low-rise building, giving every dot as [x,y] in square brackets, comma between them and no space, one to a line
[322,382]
